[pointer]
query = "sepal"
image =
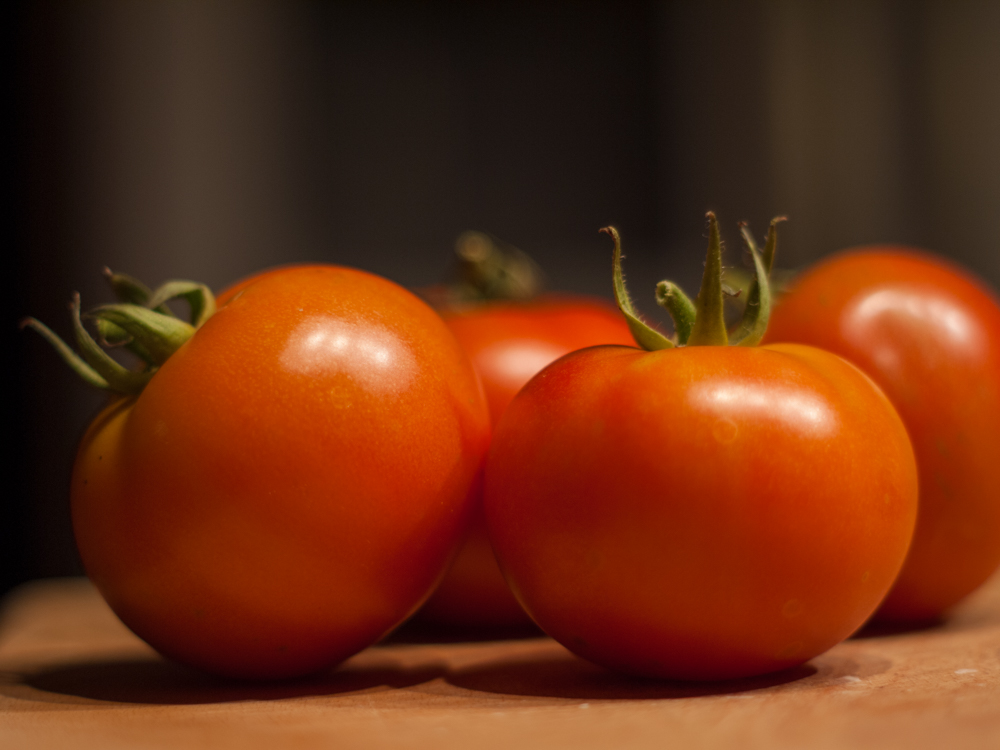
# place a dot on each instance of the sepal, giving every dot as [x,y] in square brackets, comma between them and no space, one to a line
[644,334]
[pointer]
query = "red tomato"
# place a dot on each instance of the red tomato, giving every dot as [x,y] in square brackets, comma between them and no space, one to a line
[930,337]
[509,342]
[291,483]
[705,512]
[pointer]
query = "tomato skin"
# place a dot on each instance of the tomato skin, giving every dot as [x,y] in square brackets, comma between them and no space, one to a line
[508,343]
[292,482]
[700,513]
[929,335]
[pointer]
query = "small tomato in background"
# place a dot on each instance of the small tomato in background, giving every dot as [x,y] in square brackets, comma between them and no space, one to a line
[509,334]
[290,482]
[929,335]
[700,511]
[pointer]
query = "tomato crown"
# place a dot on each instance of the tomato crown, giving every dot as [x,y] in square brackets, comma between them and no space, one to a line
[486,269]
[140,322]
[702,323]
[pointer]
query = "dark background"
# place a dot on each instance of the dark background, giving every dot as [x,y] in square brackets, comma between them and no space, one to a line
[210,139]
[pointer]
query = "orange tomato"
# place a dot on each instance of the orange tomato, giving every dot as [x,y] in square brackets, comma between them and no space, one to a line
[929,335]
[291,483]
[508,343]
[705,512]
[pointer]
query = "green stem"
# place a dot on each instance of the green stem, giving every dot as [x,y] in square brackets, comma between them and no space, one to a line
[112,336]
[710,325]
[118,377]
[771,245]
[645,335]
[488,269]
[160,335]
[199,297]
[703,323]
[143,324]
[757,311]
[71,358]
[127,288]
[130,290]
[682,310]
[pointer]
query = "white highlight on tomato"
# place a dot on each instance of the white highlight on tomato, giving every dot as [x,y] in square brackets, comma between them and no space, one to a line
[517,360]
[791,406]
[373,356]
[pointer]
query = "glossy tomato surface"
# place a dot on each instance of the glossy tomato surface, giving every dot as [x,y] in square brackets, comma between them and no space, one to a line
[929,335]
[700,513]
[508,343]
[292,482]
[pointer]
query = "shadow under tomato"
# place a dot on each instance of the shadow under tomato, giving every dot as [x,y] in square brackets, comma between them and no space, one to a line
[888,629]
[563,675]
[418,631]
[157,681]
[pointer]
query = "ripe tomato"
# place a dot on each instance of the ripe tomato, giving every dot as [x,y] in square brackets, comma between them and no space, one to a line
[508,342]
[700,513]
[930,337]
[703,512]
[293,480]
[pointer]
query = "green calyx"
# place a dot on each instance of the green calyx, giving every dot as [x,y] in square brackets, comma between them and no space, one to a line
[702,322]
[487,269]
[645,335]
[141,322]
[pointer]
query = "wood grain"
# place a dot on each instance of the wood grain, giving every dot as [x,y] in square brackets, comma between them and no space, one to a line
[72,676]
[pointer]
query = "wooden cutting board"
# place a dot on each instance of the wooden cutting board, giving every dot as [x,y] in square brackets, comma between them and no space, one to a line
[72,676]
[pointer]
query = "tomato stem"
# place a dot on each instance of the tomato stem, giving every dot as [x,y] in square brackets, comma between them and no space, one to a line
[702,323]
[771,245]
[757,310]
[488,269]
[131,290]
[71,358]
[160,335]
[118,377]
[198,296]
[682,310]
[710,322]
[141,321]
[645,335]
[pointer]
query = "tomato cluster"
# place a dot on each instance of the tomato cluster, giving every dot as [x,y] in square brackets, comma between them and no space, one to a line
[508,343]
[288,476]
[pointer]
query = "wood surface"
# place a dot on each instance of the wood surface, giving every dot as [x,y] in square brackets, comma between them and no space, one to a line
[72,676]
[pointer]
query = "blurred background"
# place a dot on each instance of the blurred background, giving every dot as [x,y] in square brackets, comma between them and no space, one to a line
[208,139]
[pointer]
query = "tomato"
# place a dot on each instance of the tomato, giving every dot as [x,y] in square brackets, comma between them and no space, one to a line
[508,343]
[703,511]
[293,480]
[929,335]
